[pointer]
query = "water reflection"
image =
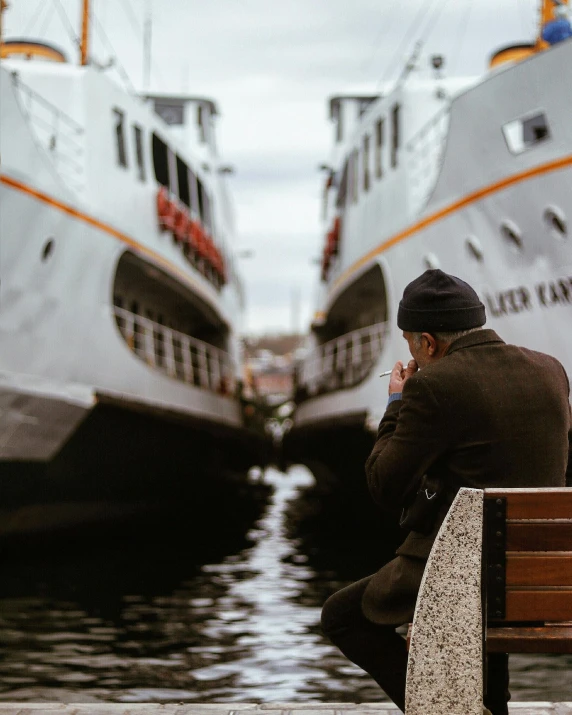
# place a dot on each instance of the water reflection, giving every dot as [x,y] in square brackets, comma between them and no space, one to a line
[161,621]
[275,644]
[121,625]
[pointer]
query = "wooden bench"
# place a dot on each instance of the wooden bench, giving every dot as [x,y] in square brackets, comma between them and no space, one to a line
[527,570]
[499,579]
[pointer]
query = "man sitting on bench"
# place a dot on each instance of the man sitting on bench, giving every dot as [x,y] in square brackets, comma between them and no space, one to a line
[467,411]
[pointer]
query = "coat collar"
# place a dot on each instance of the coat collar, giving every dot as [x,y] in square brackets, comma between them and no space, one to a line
[479,337]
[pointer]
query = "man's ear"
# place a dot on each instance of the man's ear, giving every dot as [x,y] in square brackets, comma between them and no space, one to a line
[431,343]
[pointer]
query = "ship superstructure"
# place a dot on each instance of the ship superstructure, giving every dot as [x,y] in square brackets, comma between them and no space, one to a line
[120,300]
[473,176]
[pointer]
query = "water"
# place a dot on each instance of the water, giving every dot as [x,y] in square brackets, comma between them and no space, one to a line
[124,623]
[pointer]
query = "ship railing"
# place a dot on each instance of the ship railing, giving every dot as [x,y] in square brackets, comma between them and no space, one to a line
[342,362]
[177,354]
[424,158]
[60,136]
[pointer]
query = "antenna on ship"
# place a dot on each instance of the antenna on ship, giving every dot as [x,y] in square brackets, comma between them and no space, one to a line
[411,64]
[84,45]
[147,35]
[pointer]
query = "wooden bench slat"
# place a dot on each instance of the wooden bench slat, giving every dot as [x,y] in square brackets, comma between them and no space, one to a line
[538,605]
[535,503]
[544,536]
[524,639]
[539,569]
[544,639]
[533,549]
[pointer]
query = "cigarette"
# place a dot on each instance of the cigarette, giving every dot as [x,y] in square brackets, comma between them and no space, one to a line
[387,372]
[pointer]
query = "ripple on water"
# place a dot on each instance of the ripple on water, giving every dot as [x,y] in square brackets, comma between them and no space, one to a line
[243,629]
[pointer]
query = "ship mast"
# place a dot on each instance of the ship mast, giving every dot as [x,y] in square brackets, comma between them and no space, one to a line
[3,6]
[84,34]
[147,29]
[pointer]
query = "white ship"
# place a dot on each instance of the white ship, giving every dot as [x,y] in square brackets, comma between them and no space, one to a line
[120,302]
[471,176]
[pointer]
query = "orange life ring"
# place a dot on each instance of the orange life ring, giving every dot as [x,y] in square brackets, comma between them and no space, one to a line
[193,236]
[213,253]
[204,248]
[332,243]
[222,268]
[163,202]
[180,223]
[205,245]
[218,263]
[199,239]
[337,224]
[165,209]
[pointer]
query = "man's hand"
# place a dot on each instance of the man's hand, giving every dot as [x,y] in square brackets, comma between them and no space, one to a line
[400,375]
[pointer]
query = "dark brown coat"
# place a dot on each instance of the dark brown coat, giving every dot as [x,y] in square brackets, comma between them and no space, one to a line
[486,414]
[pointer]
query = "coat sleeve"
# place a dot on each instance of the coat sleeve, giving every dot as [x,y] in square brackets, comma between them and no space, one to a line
[412,435]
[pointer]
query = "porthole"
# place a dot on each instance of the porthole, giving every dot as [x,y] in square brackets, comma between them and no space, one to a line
[512,235]
[474,248]
[431,261]
[556,222]
[48,249]
[526,132]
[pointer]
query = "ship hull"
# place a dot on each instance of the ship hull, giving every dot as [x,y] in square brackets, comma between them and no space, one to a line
[498,219]
[122,460]
[109,402]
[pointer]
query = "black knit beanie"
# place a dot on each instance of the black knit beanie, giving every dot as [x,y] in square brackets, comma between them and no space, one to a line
[440,302]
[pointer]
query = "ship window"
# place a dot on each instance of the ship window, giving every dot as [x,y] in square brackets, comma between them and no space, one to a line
[350,161]
[525,132]
[430,260]
[378,148]
[512,235]
[160,161]
[48,249]
[556,222]
[366,163]
[474,248]
[137,328]
[183,178]
[200,198]
[201,124]
[193,193]
[395,134]
[343,187]
[120,138]
[171,111]
[173,178]
[354,176]
[138,134]
[339,125]
[207,211]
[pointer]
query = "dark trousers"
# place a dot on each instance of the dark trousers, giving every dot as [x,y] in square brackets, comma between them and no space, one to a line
[382,652]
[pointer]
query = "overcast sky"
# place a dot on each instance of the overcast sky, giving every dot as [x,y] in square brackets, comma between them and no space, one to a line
[271,65]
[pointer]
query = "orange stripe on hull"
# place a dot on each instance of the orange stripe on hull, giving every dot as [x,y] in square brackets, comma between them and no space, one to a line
[467,200]
[106,228]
